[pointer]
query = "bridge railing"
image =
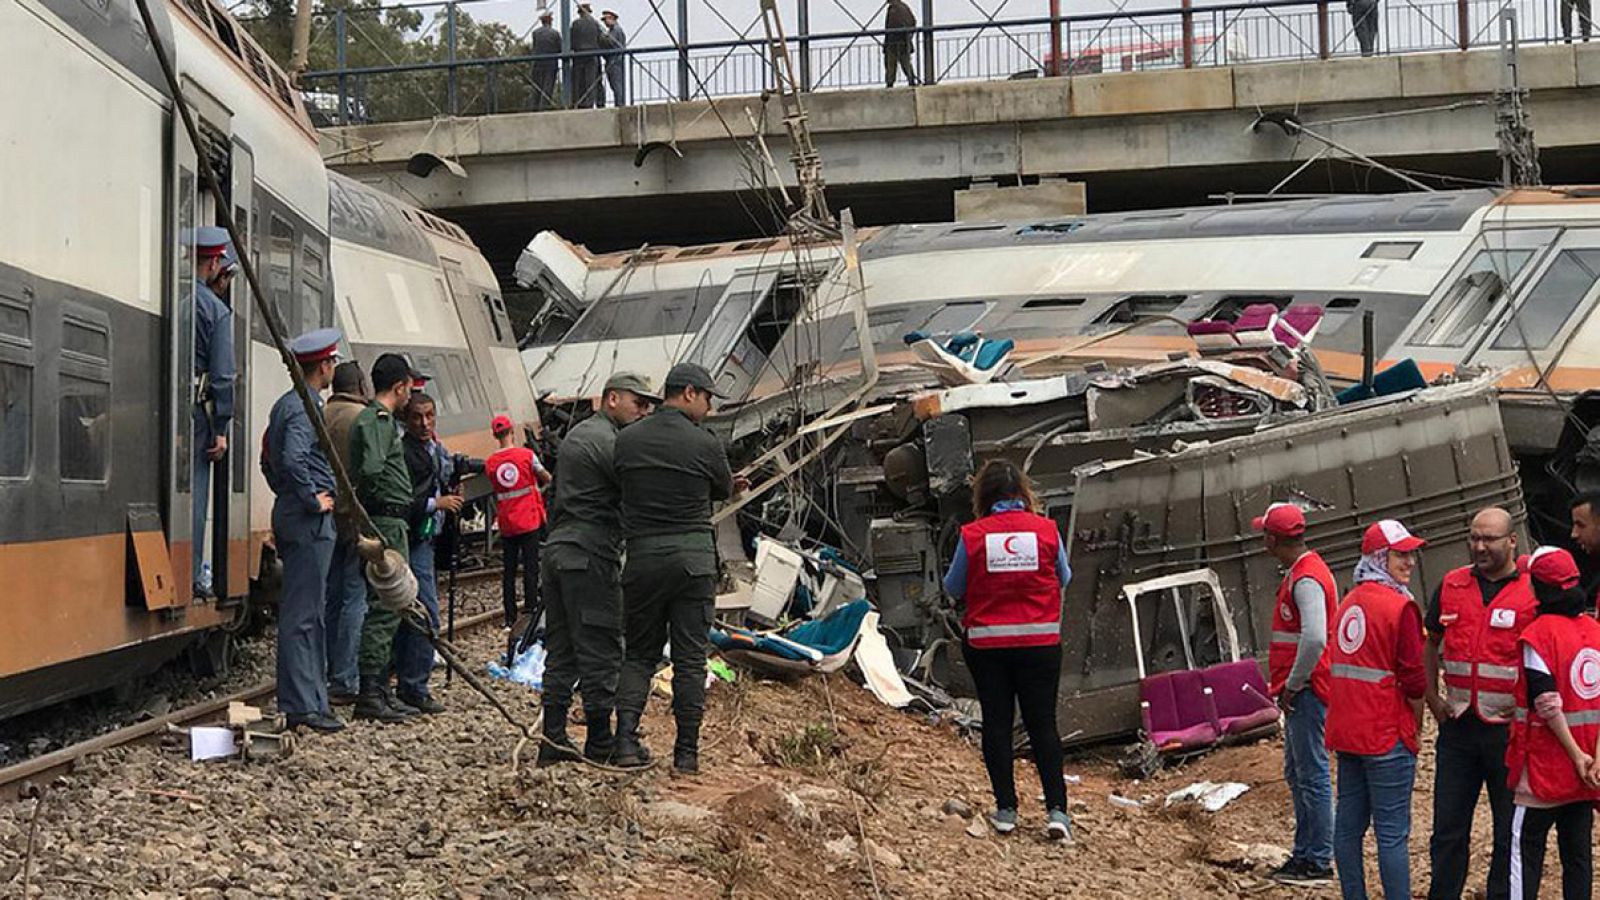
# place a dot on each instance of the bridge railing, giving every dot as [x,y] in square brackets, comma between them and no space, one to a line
[445,69]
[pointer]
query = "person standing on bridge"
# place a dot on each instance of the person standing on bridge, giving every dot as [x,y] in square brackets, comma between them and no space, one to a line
[302,531]
[1585,23]
[1478,611]
[1374,707]
[900,23]
[546,46]
[1364,16]
[585,36]
[616,40]
[1009,569]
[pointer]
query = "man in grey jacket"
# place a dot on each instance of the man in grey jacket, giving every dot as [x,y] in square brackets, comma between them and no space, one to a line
[615,39]
[585,35]
[546,48]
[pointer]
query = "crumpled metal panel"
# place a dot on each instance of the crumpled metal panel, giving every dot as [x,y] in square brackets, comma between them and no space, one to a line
[1430,459]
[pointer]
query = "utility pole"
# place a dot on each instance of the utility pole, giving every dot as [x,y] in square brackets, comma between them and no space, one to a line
[803,152]
[300,54]
[1519,155]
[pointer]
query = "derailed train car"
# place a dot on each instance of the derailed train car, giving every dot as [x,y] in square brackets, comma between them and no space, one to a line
[96,330]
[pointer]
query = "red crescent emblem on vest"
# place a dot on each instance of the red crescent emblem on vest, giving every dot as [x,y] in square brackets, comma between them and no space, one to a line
[1007,544]
[1585,673]
[506,474]
[1352,629]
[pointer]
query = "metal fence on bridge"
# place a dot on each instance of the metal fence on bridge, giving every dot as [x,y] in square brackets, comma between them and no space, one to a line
[421,61]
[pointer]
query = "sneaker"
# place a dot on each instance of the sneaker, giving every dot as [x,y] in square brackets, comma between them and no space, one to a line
[1059,827]
[1003,821]
[1303,872]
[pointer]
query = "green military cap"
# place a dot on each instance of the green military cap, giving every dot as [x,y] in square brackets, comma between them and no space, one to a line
[628,381]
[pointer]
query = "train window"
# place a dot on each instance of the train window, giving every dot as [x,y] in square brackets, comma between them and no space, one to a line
[253,57]
[1054,303]
[315,306]
[1470,300]
[461,396]
[280,271]
[699,251]
[494,320]
[16,388]
[85,428]
[1140,308]
[1565,283]
[281,89]
[1391,250]
[16,419]
[1229,307]
[86,340]
[198,7]
[954,317]
[973,229]
[224,29]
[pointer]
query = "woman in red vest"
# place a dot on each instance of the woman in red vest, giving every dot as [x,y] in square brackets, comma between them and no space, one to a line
[1009,567]
[1555,739]
[1374,707]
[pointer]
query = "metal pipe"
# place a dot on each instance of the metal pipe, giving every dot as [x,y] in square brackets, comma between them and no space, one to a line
[803,23]
[685,90]
[1054,60]
[566,54]
[1188,34]
[929,69]
[1463,26]
[339,33]
[450,55]
[1324,43]
[1369,348]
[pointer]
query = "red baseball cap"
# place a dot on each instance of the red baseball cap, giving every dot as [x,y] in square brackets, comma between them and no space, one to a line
[1281,519]
[500,424]
[1388,534]
[1551,565]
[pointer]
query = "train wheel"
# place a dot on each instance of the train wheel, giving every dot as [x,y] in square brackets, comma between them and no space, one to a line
[212,655]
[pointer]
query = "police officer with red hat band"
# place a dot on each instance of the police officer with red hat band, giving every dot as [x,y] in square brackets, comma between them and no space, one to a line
[214,373]
[1555,740]
[1473,623]
[1298,679]
[302,531]
[1374,707]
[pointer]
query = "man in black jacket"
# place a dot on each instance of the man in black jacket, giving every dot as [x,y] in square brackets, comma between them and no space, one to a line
[546,45]
[585,35]
[900,22]
[432,472]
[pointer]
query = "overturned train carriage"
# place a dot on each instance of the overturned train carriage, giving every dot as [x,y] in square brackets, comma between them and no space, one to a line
[1135,514]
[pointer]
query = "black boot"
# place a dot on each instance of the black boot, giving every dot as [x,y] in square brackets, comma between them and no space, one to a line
[629,753]
[372,703]
[422,703]
[600,744]
[686,749]
[556,746]
[396,704]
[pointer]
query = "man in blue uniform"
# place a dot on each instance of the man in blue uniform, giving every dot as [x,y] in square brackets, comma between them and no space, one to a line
[214,371]
[302,529]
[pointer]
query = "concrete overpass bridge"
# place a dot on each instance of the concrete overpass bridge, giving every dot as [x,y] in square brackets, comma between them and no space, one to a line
[671,172]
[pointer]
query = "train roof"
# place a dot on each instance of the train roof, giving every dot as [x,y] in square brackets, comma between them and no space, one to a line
[1437,211]
[233,41]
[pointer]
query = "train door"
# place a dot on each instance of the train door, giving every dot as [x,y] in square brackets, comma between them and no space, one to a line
[192,207]
[727,345]
[232,528]
[1541,322]
[484,329]
[1460,314]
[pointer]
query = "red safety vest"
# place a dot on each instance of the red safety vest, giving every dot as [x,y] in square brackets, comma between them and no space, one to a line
[1286,625]
[1570,647]
[1013,590]
[519,507]
[1482,658]
[1367,713]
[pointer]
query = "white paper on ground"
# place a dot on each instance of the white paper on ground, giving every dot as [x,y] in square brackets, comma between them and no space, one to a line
[877,665]
[1210,795]
[206,742]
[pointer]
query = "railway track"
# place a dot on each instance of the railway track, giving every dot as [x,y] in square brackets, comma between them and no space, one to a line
[16,780]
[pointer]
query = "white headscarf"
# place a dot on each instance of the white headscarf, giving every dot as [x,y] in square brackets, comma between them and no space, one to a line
[1374,566]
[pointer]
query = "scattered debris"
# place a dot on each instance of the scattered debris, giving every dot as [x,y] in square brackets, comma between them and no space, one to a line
[957,807]
[1125,802]
[1244,857]
[1210,796]
[210,742]
[241,714]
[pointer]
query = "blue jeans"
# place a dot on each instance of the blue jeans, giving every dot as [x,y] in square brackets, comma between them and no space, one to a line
[1375,789]
[1305,768]
[345,608]
[200,486]
[413,652]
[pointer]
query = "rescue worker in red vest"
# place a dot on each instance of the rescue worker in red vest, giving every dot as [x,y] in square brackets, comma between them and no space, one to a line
[1009,568]
[1374,709]
[1473,623]
[517,475]
[1297,675]
[1555,740]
